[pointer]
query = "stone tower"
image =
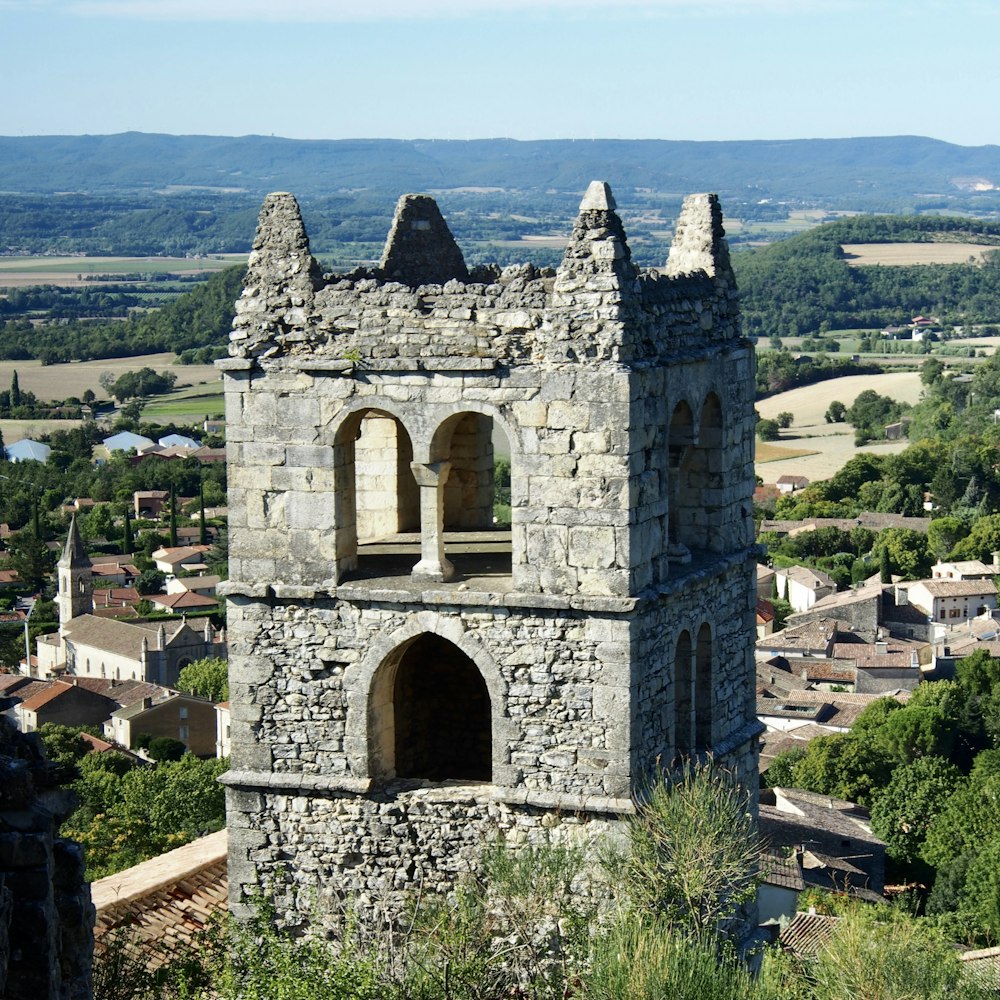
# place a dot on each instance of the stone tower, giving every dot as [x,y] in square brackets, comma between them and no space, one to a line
[75,578]
[407,677]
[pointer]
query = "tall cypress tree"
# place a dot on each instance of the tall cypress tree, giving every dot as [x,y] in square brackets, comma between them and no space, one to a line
[128,540]
[202,530]
[15,391]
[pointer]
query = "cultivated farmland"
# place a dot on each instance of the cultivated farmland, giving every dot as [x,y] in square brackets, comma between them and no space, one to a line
[900,254]
[833,444]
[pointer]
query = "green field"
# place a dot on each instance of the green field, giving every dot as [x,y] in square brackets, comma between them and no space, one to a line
[117,265]
[185,406]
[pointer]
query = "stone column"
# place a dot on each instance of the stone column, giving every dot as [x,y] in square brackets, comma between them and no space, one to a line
[433,565]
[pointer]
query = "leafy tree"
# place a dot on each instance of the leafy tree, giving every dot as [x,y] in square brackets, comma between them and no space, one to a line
[785,419]
[970,816]
[978,672]
[145,382]
[150,581]
[917,731]
[29,556]
[768,430]
[779,773]
[63,744]
[982,541]
[943,534]
[916,793]
[836,412]
[166,748]
[844,766]
[208,678]
[906,552]
[931,371]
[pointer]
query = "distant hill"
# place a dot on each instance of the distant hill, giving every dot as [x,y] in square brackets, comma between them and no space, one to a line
[897,173]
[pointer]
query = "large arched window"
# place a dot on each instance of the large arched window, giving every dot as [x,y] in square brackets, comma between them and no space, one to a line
[377,498]
[682,498]
[430,714]
[476,496]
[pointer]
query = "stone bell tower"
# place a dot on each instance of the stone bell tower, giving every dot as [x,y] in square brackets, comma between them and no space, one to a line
[407,676]
[75,578]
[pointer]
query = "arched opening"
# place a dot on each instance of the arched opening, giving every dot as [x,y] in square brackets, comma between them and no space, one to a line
[703,689]
[476,496]
[683,696]
[683,513]
[706,474]
[376,495]
[430,714]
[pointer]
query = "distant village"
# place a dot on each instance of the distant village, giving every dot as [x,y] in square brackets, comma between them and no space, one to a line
[115,660]
[108,665]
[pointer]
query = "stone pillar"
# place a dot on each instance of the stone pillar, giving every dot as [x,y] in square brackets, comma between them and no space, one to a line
[433,565]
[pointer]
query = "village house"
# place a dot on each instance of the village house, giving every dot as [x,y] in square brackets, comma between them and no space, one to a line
[181,559]
[950,601]
[184,717]
[802,586]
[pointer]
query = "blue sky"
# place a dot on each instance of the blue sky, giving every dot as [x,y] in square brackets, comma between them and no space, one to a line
[527,69]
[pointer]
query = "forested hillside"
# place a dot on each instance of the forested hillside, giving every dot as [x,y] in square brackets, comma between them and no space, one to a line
[197,321]
[805,284]
[870,173]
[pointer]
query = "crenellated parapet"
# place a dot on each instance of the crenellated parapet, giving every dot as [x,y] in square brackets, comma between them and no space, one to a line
[422,302]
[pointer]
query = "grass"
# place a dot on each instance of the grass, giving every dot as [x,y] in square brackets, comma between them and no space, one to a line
[117,265]
[904,254]
[185,405]
[767,451]
[49,382]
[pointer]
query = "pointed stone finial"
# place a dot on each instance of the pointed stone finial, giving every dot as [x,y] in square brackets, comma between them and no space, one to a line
[281,280]
[598,198]
[420,249]
[597,257]
[281,254]
[699,240]
[74,555]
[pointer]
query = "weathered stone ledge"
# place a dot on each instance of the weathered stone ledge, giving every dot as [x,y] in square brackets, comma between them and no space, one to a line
[343,365]
[734,741]
[453,792]
[383,595]
[234,364]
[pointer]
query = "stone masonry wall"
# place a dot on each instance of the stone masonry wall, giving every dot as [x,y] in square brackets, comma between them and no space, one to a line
[46,917]
[623,634]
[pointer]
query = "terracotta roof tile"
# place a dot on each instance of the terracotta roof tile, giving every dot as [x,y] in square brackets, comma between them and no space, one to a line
[167,901]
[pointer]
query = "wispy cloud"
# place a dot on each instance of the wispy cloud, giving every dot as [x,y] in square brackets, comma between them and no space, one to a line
[375,10]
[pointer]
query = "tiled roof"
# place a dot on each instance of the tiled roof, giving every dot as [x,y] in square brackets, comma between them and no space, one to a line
[956,588]
[122,638]
[807,934]
[187,599]
[168,901]
[781,871]
[41,698]
[120,692]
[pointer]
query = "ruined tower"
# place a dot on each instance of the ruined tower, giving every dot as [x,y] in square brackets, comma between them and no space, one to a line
[408,677]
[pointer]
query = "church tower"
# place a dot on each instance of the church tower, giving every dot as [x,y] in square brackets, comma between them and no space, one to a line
[422,656]
[75,578]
